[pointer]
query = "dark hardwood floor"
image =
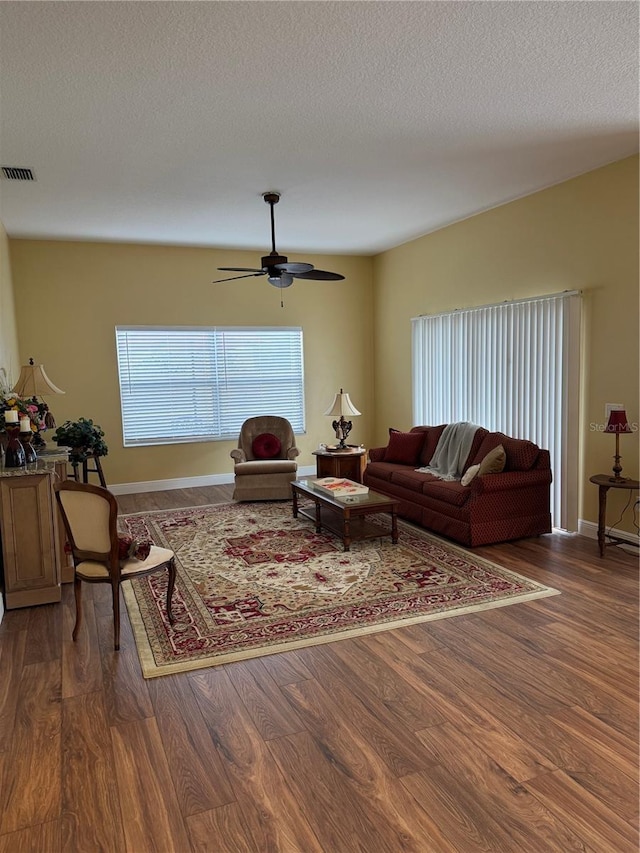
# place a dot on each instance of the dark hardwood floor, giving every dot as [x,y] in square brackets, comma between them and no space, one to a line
[514,729]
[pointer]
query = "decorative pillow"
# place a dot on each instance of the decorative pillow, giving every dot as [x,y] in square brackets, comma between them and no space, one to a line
[469,474]
[404,447]
[493,462]
[130,547]
[266,446]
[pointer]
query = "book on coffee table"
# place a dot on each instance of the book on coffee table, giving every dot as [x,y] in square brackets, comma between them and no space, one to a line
[339,487]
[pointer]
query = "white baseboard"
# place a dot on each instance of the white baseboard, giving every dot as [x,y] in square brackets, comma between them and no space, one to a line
[590,530]
[186,483]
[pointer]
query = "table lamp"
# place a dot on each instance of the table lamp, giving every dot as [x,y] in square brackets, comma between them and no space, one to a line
[32,383]
[619,425]
[340,407]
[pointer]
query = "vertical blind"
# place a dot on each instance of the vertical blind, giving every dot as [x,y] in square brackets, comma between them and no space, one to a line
[513,368]
[182,384]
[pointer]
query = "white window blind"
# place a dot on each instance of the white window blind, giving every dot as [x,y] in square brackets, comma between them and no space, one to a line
[513,368]
[181,384]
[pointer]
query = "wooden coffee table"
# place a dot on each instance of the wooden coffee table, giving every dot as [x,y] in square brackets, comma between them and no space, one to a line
[346,519]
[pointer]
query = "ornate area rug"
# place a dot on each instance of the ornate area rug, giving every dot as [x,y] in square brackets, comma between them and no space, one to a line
[252,580]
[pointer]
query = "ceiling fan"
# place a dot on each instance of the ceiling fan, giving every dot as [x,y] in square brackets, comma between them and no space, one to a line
[279,272]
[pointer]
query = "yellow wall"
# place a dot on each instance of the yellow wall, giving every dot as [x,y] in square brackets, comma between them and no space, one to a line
[70,296]
[9,359]
[582,235]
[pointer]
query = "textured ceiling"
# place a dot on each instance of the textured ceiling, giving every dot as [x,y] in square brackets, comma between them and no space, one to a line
[378,122]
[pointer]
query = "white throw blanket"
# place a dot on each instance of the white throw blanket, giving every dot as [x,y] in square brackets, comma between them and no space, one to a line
[451,451]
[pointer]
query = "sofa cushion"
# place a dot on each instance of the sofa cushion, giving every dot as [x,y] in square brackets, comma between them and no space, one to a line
[431,438]
[470,474]
[410,479]
[404,448]
[448,491]
[493,463]
[478,439]
[266,446]
[521,454]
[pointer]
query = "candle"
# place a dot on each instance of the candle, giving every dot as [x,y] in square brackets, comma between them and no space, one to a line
[25,425]
[11,416]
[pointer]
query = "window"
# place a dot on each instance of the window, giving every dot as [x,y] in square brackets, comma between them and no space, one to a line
[513,368]
[183,384]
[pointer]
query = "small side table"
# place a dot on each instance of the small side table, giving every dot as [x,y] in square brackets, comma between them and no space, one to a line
[347,465]
[604,482]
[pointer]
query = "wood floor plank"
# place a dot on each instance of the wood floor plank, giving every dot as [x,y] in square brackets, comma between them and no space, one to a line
[268,707]
[614,747]
[270,809]
[126,694]
[559,747]
[543,683]
[91,816]
[41,838]
[453,806]
[511,751]
[81,665]
[603,831]
[529,826]
[44,634]
[150,810]
[199,777]
[378,680]
[398,820]
[223,830]
[12,655]
[285,668]
[385,732]
[31,790]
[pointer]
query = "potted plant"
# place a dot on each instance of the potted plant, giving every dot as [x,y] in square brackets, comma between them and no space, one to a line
[83,437]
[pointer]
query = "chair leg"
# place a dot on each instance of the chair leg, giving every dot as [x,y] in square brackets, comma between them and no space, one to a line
[115,590]
[77,589]
[170,586]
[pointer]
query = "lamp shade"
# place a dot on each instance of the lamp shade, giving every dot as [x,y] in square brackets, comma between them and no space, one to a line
[342,406]
[34,382]
[618,422]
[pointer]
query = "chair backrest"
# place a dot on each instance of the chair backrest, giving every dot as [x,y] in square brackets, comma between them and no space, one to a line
[274,424]
[90,518]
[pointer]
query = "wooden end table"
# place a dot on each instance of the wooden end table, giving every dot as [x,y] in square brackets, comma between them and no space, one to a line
[346,519]
[604,482]
[346,464]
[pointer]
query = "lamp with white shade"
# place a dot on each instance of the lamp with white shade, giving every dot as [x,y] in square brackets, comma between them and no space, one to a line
[340,407]
[32,383]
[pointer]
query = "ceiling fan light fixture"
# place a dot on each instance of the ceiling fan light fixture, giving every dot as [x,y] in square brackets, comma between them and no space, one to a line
[283,279]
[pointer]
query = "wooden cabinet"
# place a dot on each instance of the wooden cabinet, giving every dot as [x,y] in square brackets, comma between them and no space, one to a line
[349,465]
[29,532]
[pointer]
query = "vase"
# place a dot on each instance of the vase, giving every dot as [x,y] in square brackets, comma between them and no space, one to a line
[30,454]
[14,456]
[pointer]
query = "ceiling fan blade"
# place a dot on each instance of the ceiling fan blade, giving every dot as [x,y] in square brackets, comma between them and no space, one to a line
[319,275]
[294,268]
[242,269]
[234,277]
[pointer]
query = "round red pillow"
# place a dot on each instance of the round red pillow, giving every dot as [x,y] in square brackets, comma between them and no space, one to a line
[266,446]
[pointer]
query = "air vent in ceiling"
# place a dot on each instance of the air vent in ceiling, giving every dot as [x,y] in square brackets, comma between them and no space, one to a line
[17,173]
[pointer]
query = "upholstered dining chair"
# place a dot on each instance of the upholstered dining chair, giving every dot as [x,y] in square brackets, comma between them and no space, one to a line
[265,459]
[90,517]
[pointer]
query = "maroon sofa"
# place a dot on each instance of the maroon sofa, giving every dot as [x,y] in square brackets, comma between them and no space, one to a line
[492,508]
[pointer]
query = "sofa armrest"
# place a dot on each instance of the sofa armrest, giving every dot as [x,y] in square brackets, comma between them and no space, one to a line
[376,454]
[292,452]
[510,480]
[238,455]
